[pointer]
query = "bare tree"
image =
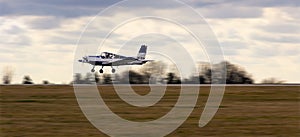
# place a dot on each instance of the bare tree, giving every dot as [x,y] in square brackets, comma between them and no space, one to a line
[27,80]
[154,67]
[117,79]
[172,78]
[234,74]
[132,77]
[237,75]
[153,71]
[107,79]
[272,81]
[78,79]
[97,78]
[89,78]
[8,73]
[46,82]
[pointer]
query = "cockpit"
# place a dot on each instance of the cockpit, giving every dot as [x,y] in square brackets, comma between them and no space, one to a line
[108,55]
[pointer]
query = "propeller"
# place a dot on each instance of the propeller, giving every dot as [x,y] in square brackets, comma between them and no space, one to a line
[84,58]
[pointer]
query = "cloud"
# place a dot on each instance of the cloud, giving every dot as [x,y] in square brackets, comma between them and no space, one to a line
[277,26]
[38,37]
[64,8]
[232,47]
[292,11]
[12,30]
[45,22]
[13,33]
[229,11]
[270,43]
[263,3]
[280,21]
[276,39]
[287,28]
[76,8]
[61,40]
[76,3]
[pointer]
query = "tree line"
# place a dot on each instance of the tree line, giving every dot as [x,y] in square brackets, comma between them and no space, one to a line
[156,73]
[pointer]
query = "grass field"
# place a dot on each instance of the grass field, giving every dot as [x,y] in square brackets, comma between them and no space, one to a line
[245,111]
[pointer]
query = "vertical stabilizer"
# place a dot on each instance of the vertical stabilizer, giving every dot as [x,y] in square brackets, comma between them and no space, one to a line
[142,52]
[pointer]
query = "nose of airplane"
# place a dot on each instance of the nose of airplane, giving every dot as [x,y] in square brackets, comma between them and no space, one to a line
[84,59]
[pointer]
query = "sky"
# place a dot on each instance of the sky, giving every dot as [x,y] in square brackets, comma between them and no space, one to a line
[40,38]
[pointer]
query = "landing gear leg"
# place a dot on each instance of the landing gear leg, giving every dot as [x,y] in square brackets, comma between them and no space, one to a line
[113,70]
[93,69]
[101,70]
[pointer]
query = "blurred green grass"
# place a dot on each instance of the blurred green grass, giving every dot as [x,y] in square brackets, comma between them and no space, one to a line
[245,111]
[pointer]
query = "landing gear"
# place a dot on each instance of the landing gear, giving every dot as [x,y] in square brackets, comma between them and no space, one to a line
[101,70]
[93,69]
[113,70]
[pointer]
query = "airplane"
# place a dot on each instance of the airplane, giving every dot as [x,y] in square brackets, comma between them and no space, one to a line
[111,59]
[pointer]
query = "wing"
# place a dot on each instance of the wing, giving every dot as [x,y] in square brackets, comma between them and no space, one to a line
[123,61]
[147,60]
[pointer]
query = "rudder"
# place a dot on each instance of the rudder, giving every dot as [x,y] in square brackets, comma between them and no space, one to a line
[142,52]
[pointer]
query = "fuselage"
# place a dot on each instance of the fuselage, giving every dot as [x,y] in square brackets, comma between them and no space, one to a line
[111,59]
[102,61]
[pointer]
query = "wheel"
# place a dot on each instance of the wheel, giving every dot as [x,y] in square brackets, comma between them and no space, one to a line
[113,70]
[101,70]
[93,70]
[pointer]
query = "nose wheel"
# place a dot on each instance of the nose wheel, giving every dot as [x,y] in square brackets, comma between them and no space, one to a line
[101,70]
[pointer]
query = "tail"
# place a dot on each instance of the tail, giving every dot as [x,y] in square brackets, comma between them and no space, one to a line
[142,52]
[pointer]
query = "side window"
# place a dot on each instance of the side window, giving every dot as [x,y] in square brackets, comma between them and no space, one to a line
[103,55]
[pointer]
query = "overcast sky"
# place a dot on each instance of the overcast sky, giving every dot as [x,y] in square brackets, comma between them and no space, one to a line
[38,37]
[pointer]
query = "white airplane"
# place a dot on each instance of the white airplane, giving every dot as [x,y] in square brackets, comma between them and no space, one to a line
[111,59]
